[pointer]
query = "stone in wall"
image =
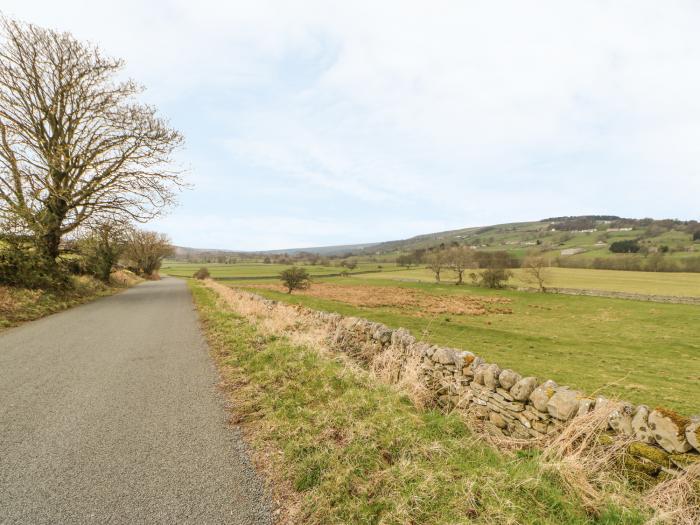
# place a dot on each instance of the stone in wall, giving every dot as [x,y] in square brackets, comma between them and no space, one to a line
[621,419]
[640,425]
[669,430]
[522,389]
[563,405]
[541,395]
[491,374]
[692,432]
[508,378]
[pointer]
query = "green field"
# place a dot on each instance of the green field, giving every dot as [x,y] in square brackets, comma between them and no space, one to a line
[653,283]
[640,351]
[257,270]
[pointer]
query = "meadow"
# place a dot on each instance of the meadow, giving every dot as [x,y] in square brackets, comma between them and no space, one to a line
[651,283]
[258,270]
[644,352]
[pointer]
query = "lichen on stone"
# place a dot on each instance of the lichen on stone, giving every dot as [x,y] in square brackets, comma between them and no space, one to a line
[680,421]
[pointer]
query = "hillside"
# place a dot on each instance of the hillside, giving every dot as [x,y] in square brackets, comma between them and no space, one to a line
[579,238]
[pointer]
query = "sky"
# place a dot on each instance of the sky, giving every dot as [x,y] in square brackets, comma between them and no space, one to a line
[333,122]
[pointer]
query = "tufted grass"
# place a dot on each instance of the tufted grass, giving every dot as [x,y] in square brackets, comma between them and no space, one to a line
[340,449]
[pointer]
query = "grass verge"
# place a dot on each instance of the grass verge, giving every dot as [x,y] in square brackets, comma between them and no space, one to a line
[18,305]
[342,449]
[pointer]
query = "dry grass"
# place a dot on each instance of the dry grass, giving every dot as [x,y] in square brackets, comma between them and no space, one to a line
[590,466]
[391,366]
[677,500]
[398,297]
[394,367]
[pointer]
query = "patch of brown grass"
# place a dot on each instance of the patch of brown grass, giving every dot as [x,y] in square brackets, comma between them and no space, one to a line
[677,500]
[399,297]
[587,464]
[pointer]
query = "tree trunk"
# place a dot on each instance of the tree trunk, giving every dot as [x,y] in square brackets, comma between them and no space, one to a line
[49,240]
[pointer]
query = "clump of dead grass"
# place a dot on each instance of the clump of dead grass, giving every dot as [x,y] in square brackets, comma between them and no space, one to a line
[392,366]
[677,500]
[588,464]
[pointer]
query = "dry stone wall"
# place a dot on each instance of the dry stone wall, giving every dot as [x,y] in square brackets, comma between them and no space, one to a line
[664,443]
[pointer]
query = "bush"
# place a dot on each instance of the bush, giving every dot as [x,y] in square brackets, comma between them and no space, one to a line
[494,277]
[202,273]
[22,268]
[696,235]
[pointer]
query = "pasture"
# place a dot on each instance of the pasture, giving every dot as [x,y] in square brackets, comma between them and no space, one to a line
[652,283]
[640,351]
[260,270]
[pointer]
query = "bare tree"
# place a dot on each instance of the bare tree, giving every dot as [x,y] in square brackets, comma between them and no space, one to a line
[437,262]
[460,258]
[146,250]
[536,270]
[75,146]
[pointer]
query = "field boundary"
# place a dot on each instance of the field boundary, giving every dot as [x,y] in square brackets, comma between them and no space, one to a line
[263,277]
[670,299]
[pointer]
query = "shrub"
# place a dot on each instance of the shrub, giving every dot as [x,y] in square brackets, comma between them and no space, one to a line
[295,278]
[494,277]
[101,250]
[627,246]
[23,268]
[696,235]
[202,273]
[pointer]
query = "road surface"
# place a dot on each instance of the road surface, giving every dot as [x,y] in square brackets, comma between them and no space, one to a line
[109,413]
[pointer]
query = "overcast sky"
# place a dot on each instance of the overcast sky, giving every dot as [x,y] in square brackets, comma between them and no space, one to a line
[333,122]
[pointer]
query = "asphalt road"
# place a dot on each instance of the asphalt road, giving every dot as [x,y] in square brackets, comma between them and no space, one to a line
[109,413]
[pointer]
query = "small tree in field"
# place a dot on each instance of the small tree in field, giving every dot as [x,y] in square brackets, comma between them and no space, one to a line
[536,270]
[437,262]
[459,259]
[495,272]
[295,278]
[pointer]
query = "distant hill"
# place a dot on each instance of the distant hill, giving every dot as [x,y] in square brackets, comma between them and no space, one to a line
[583,236]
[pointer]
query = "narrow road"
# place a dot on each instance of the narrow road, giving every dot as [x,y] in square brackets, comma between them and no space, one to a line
[109,413]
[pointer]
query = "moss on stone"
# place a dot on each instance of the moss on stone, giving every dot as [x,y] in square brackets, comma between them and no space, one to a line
[681,422]
[649,452]
[606,439]
[684,460]
[664,475]
[640,465]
